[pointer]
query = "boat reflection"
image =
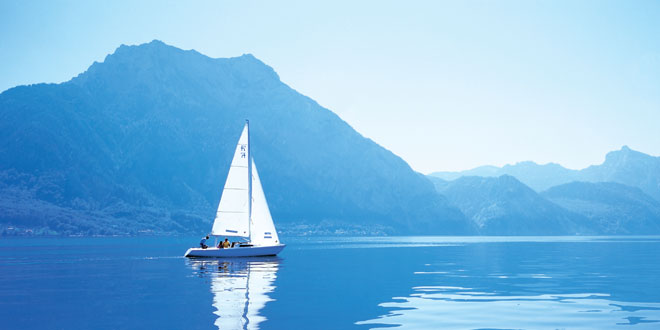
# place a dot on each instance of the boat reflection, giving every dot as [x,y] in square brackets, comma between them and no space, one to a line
[240,288]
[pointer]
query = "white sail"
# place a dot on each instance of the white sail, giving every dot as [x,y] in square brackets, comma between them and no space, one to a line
[232,217]
[262,228]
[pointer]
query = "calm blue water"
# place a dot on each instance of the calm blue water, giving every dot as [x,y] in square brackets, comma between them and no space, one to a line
[334,283]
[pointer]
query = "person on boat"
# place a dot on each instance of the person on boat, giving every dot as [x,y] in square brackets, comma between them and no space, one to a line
[226,243]
[202,243]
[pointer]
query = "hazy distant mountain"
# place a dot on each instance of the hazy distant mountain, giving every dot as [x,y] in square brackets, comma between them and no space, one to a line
[629,167]
[505,206]
[485,171]
[624,166]
[142,142]
[612,208]
[538,177]
[582,207]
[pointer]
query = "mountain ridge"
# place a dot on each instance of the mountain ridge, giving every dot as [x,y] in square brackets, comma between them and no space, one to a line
[505,206]
[613,208]
[625,166]
[142,142]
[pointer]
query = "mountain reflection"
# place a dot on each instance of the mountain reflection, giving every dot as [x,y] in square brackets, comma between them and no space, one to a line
[240,288]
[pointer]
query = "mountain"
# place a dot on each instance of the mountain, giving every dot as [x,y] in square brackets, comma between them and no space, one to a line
[539,177]
[485,171]
[624,166]
[628,167]
[505,206]
[141,143]
[612,208]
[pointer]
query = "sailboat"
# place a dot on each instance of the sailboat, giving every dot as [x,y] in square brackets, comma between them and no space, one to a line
[243,211]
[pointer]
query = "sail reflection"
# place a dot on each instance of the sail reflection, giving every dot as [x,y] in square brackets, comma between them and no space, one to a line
[240,288]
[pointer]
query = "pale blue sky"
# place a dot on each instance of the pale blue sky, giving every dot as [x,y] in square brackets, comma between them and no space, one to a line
[444,85]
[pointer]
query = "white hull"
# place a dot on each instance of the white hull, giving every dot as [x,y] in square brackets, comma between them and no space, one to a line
[247,251]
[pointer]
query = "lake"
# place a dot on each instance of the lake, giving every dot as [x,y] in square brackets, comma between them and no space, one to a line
[333,283]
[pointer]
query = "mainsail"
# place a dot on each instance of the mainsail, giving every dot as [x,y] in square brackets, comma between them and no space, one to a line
[232,217]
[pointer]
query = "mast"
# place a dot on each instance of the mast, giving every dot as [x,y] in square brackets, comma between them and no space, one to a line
[247,123]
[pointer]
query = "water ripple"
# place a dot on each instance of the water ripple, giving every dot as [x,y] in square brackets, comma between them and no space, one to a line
[445,307]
